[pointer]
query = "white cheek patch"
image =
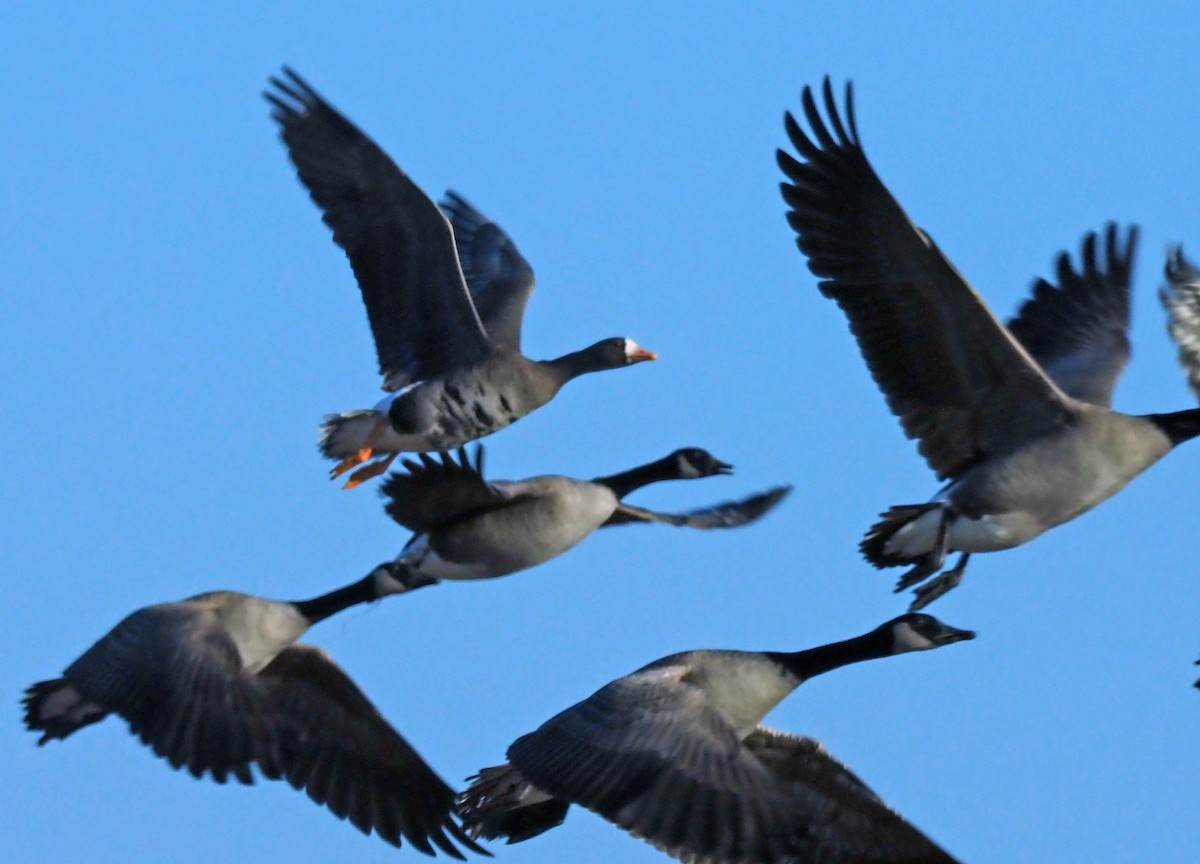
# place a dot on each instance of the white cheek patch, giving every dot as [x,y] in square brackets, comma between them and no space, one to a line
[905,638]
[688,470]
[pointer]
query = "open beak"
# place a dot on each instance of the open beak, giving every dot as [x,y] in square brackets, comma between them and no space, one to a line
[723,468]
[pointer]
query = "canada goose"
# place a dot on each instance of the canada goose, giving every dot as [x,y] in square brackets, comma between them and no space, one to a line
[674,754]
[217,683]
[1018,421]
[1181,298]
[444,298]
[470,528]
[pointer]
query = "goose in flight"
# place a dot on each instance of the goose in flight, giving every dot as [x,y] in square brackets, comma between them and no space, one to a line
[444,289]
[467,527]
[674,753]
[218,684]
[1017,418]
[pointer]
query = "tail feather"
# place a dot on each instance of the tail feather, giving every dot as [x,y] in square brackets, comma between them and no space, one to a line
[56,709]
[344,434]
[874,542]
[501,803]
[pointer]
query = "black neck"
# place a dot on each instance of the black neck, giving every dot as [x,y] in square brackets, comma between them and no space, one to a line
[320,608]
[814,661]
[1178,426]
[563,369]
[635,478]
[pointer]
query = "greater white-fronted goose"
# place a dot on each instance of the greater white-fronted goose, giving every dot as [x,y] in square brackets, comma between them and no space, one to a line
[218,684]
[1018,421]
[674,754]
[467,527]
[444,297]
[1181,298]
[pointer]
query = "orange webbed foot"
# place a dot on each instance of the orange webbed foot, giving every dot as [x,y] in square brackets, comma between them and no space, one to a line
[361,455]
[368,471]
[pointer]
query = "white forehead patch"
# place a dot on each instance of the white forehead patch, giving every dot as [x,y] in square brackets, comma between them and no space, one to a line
[906,638]
[631,348]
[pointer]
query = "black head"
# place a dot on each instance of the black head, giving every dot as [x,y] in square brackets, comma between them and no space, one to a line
[693,462]
[916,631]
[619,351]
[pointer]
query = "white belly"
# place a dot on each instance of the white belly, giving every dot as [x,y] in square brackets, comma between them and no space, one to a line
[991,533]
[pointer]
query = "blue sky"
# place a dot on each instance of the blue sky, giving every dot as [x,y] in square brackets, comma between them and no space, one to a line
[177,320]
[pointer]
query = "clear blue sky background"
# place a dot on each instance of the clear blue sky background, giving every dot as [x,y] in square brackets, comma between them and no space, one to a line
[176,320]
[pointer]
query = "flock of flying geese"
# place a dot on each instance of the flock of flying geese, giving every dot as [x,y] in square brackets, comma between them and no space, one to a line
[1015,417]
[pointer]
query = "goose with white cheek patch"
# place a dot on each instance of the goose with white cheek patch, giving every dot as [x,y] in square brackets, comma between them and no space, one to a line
[217,684]
[471,528]
[445,294]
[1016,418]
[674,754]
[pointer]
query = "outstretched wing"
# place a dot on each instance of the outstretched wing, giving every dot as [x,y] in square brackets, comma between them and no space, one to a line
[1181,298]
[435,492]
[728,514]
[345,755]
[956,378]
[1078,330]
[650,754]
[400,246]
[499,278]
[173,672]
[854,824]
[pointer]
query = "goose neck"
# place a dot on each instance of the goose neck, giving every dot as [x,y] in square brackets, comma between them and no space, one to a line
[624,482]
[815,661]
[321,607]
[1178,426]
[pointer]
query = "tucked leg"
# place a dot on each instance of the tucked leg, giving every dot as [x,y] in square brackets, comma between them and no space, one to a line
[931,561]
[368,471]
[362,454]
[935,588]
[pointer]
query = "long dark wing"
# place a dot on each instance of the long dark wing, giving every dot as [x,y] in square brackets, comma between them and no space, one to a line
[499,278]
[175,675]
[1078,330]
[956,378]
[648,753]
[345,755]
[1181,298]
[399,244]
[854,825]
[435,492]
[727,514]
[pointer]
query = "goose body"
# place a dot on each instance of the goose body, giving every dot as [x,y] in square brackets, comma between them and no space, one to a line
[445,292]
[471,528]
[675,754]
[217,683]
[1014,498]
[1017,419]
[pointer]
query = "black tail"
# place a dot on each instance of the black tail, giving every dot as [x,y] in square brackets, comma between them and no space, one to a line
[874,541]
